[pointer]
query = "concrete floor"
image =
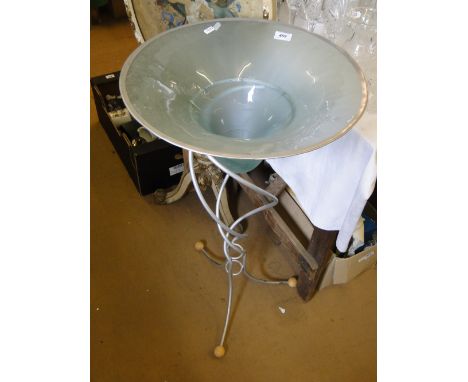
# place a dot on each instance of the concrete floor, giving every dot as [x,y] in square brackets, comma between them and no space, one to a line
[157,306]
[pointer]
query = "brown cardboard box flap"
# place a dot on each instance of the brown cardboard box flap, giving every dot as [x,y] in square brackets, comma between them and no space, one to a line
[342,270]
[347,269]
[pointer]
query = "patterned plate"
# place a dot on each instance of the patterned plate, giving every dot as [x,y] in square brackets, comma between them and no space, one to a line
[150,17]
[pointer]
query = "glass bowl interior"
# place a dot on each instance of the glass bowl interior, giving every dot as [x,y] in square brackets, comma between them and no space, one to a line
[241,88]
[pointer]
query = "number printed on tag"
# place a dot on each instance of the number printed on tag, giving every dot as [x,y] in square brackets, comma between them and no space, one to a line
[283,36]
[366,257]
[212,28]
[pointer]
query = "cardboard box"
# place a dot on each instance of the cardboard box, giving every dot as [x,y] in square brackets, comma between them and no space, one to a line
[343,270]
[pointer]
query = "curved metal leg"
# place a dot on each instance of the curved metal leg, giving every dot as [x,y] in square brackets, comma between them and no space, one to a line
[230,236]
[163,196]
[225,211]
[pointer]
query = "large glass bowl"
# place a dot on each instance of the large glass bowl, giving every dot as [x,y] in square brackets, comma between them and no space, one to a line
[242,88]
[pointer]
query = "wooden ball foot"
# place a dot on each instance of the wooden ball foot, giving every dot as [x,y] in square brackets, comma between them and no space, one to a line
[199,245]
[292,282]
[219,351]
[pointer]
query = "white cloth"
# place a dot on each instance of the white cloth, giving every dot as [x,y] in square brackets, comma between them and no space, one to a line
[333,183]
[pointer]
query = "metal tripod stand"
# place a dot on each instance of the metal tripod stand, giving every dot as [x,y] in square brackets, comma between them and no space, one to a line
[234,253]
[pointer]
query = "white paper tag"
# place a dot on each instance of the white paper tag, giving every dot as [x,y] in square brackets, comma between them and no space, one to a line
[110,76]
[366,257]
[283,36]
[212,28]
[176,169]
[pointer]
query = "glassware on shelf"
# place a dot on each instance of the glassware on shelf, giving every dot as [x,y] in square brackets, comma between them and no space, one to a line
[334,14]
[351,24]
[359,39]
[361,28]
[325,17]
[294,7]
[314,14]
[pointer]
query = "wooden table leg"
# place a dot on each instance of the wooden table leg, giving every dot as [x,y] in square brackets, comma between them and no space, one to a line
[319,247]
[312,262]
[278,226]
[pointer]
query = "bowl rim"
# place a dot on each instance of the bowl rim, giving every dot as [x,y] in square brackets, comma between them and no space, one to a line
[277,154]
